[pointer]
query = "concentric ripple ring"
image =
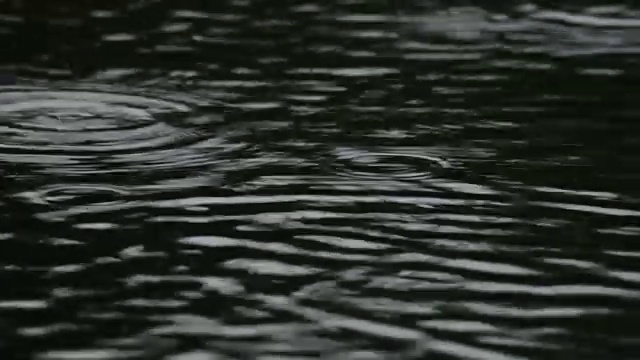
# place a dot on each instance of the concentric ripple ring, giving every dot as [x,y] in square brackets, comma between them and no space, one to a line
[77,120]
[388,165]
[64,193]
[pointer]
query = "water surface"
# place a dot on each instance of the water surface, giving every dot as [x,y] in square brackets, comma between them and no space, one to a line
[348,179]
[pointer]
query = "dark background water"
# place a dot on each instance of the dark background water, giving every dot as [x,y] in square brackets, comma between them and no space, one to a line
[195,180]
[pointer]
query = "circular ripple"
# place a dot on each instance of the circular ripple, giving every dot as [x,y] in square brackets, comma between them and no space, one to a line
[68,194]
[87,121]
[386,165]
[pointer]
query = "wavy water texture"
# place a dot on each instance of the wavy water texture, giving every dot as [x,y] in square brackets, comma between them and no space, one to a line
[335,180]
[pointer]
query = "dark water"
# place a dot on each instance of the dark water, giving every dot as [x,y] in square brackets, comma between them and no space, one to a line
[196,180]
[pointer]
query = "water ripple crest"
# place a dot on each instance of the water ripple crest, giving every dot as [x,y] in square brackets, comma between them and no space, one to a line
[79,129]
[50,121]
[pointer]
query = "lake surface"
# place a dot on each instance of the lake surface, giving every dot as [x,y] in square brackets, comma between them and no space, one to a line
[198,180]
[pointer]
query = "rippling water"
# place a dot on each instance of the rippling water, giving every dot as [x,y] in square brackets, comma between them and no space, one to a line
[340,180]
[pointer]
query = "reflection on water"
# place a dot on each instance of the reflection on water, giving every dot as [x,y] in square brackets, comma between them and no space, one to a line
[349,179]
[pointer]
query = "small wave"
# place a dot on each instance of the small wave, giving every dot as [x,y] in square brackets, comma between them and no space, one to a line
[80,129]
[387,165]
[54,121]
[64,194]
